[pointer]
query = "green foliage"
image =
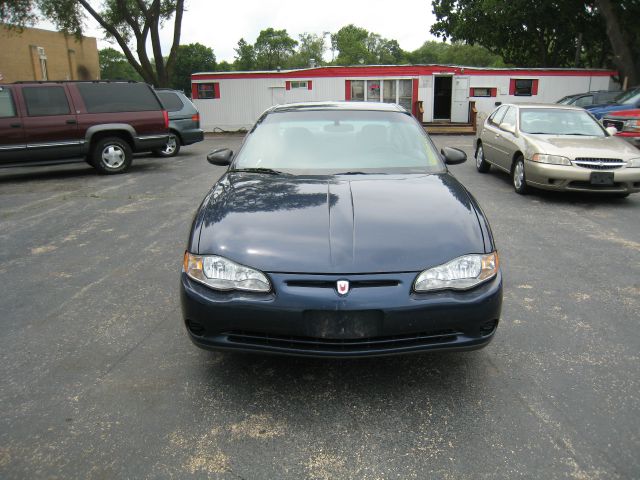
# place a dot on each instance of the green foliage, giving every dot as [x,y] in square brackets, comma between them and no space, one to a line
[457,53]
[191,58]
[245,56]
[310,46]
[273,48]
[541,33]
[224,66]
[17,12]
[114,66]
[351,44]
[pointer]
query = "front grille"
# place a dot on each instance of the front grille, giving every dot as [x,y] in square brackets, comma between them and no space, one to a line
[341,345]
[619,124]
[332,283]
[599,163]
[590,186]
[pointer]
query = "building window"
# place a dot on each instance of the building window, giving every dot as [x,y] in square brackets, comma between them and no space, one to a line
[357,90]
[387,91]
[373,90]
[295,84]
[208,90]
[481,92]
[521,87]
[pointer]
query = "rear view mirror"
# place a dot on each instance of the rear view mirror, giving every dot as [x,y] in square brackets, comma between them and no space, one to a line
[453,156]
[220,156]
[611,130]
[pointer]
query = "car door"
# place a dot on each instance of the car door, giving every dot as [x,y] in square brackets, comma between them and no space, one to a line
[50,123]
[489,133]
[12,142]
[505,141]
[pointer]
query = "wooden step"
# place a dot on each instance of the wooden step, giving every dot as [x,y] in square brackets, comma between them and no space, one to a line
[450,129]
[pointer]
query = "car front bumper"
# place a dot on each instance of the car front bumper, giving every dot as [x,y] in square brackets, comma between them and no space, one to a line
[305,316]
[565,178]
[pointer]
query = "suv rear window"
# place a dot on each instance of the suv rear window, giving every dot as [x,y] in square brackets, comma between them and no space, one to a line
[118,97]
[6,104]
[171,101]
[45,101]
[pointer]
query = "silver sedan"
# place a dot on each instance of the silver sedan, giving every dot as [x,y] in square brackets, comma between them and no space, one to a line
[556,147]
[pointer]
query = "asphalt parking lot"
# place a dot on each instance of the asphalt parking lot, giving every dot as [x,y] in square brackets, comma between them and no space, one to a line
[100,381]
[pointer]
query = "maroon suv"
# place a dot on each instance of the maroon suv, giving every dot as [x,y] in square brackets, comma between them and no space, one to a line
[104,123]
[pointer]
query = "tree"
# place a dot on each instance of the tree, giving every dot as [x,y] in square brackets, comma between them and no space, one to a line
[310,47]
[273,48]
[456,53]
[350,43]
[541,33]
[191,58]
[245,56]
[129,23]
[621,21]
[224,66]
[114,66]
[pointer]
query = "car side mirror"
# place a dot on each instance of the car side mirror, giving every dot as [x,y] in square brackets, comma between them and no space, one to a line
[507,127]
[611,130]
[220,156]
[453,156]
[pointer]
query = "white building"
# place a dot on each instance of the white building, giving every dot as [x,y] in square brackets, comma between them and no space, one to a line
[234,100]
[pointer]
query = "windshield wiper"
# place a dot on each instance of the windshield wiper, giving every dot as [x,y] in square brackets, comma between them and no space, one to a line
[356,173]
[268,171]
[581,134]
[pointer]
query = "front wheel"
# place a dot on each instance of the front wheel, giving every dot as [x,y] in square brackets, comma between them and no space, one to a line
[111,155]
[171,149]
[481,164]
[518,176]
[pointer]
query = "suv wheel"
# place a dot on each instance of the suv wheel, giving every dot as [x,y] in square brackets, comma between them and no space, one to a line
[171,149]
[518,176]
[111,155]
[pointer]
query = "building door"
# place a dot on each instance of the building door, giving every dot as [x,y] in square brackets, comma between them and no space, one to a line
[460,100]
[442,98]
[277,95]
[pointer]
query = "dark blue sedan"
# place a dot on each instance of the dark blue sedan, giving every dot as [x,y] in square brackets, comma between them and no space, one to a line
[338,231]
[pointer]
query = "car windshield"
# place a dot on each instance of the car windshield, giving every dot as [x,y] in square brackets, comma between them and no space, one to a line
[339,141]
[549,121]
[630,96]
[566,100]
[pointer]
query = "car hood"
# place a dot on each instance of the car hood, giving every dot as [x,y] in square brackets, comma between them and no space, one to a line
[599,110]
[575,146]
[328,224]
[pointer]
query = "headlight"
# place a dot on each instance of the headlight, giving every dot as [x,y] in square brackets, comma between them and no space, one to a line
[631,126]
[460,274]
[633,162]
[552,159]
[222,274]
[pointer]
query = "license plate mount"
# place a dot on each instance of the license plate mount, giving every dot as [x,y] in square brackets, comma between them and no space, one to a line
[601,178]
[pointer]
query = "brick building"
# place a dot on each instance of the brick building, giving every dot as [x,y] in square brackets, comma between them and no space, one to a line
[36,54]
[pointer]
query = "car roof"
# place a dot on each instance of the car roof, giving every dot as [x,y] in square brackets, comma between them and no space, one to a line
[361,106]
[544,105]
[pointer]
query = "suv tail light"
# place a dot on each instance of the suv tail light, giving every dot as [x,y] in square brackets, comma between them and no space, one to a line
[165,114]
[196,118]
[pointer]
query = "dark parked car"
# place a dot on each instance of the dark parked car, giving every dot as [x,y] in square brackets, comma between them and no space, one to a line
[589,98]
[104,123]
[337,230]
[184,122]
[628,100]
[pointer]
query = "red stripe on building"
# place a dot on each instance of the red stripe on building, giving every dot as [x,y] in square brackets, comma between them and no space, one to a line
[512,86]
[194,91]
[414,98]
[402,71]
[309,85]
[347,89]
[216,90]
[534,87]
[288,85]
[494,92]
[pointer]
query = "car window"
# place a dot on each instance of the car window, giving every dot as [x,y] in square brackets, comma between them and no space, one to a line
[584,101]
[7,108]
[333,141]
[550,121]
[118,97]
[47,100]
[624,96]
[496,117]
[510,116]
[632,99]
[170,100]
[566,100]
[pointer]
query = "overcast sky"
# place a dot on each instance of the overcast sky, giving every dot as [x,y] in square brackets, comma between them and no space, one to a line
[220,24]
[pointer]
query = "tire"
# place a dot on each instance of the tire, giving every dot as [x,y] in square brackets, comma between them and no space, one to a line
[481,164]
[111,155]
[518,177]
[171,149]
